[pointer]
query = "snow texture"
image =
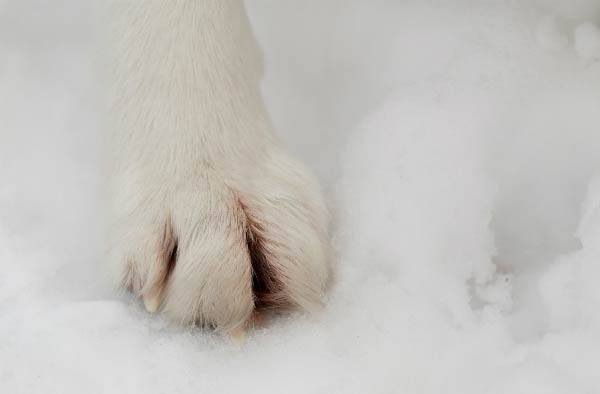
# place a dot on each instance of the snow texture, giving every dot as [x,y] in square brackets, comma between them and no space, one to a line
[458,144]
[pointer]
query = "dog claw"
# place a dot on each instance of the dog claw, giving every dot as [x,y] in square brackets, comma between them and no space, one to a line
[238,337]
[152,302]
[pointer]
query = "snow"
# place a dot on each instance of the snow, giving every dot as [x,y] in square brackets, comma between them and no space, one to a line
[458,146]
[587,41]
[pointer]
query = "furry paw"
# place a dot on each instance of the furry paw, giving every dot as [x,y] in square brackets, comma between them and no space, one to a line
[212,247]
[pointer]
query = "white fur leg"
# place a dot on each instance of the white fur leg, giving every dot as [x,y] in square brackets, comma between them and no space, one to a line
[210,218]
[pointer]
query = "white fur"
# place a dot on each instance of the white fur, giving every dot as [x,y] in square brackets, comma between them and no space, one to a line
[197,169]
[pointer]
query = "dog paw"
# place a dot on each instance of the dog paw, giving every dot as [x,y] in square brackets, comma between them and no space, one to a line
[212,247]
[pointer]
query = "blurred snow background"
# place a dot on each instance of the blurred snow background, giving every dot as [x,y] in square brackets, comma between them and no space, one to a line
[459,145]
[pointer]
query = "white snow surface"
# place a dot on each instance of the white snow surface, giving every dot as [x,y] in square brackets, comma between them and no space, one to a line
[459,146]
